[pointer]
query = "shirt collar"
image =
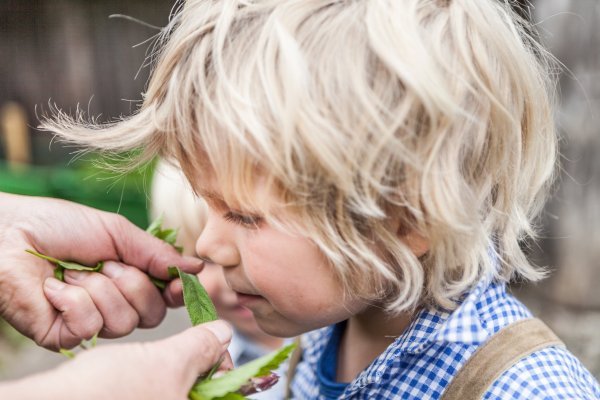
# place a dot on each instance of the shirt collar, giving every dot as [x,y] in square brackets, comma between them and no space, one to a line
[463,325]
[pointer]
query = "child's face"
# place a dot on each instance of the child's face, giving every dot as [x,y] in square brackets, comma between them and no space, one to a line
[283,279]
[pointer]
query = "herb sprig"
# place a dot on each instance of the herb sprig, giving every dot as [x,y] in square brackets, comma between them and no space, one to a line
[61,266]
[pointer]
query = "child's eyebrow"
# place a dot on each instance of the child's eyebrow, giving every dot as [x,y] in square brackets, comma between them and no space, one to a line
[216,199]
[213,198]
[208,194]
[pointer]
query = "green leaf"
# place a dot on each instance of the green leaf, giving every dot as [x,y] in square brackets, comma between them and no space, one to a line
[62,265]
[155,227]
[166,235]
[94,340]
[59,270]
[232,396]
[199,306]
[169,236]
[67,353]
[59,273]
[214,368]
[172,271]
[230,382]
[159,283]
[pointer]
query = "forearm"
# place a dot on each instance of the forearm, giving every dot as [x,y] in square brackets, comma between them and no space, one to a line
[35,387]
[76,379]
[13,209]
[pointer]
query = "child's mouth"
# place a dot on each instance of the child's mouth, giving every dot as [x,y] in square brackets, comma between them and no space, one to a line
[242,313]
[247,299]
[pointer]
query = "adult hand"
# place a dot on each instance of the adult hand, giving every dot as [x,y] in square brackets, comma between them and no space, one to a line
[111,303]
[162,370]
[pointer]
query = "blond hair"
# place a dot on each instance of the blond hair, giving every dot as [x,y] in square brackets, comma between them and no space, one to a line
[173,200]
[354,114]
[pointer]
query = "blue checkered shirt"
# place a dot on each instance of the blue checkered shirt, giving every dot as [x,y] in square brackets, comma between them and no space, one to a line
[423,360]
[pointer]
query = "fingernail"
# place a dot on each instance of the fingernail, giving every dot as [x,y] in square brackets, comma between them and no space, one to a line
[76,275]
[221,329]
[53,284]
[112,269]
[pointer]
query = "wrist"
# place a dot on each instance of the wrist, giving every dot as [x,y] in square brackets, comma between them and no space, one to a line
[11,246]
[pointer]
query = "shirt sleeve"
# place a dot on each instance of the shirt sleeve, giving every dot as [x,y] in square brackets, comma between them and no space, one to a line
[550,373]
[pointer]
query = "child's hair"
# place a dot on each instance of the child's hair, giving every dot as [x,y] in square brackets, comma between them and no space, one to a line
[357,115]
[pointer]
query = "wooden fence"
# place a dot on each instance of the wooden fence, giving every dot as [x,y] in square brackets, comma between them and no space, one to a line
[70,52]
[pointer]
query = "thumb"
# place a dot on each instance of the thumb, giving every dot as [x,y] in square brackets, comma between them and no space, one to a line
[200,347]
[80,319]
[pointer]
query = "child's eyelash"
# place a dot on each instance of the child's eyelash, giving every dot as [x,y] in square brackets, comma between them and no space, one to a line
[241,219]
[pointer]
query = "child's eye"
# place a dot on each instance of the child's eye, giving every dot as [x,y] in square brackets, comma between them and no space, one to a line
[241,219]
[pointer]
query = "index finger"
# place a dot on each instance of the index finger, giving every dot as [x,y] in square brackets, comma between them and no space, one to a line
[138,248]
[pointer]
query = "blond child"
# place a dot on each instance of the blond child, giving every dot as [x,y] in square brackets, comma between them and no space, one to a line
[173,200]
[371,169]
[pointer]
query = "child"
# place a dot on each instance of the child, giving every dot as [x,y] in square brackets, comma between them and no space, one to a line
[371,168]
[172,198]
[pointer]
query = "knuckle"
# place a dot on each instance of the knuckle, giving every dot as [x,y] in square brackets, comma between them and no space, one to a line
[209,345]
[118,222]
[95,323]
[126,323]
[87,280]
[118,225]
[87,326]
[95,282]
[133,281]
[74,297]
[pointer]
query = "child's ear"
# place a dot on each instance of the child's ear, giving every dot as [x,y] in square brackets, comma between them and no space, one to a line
[417,243]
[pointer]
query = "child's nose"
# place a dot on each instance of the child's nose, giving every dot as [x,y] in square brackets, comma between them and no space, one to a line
[215,252]
[215,245]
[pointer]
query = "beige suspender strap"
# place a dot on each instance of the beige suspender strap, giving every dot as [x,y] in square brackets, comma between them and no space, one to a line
[497,355]
[294,360]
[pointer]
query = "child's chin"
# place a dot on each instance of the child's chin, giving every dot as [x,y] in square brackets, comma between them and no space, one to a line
[279,328]
[251,331]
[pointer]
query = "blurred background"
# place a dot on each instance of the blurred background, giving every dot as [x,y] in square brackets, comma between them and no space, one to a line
[70,52]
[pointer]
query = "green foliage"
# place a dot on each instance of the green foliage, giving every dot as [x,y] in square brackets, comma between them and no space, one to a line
[67,353]
[199,306]
[61,266]
[89,180]
[167,235]
[226,386]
